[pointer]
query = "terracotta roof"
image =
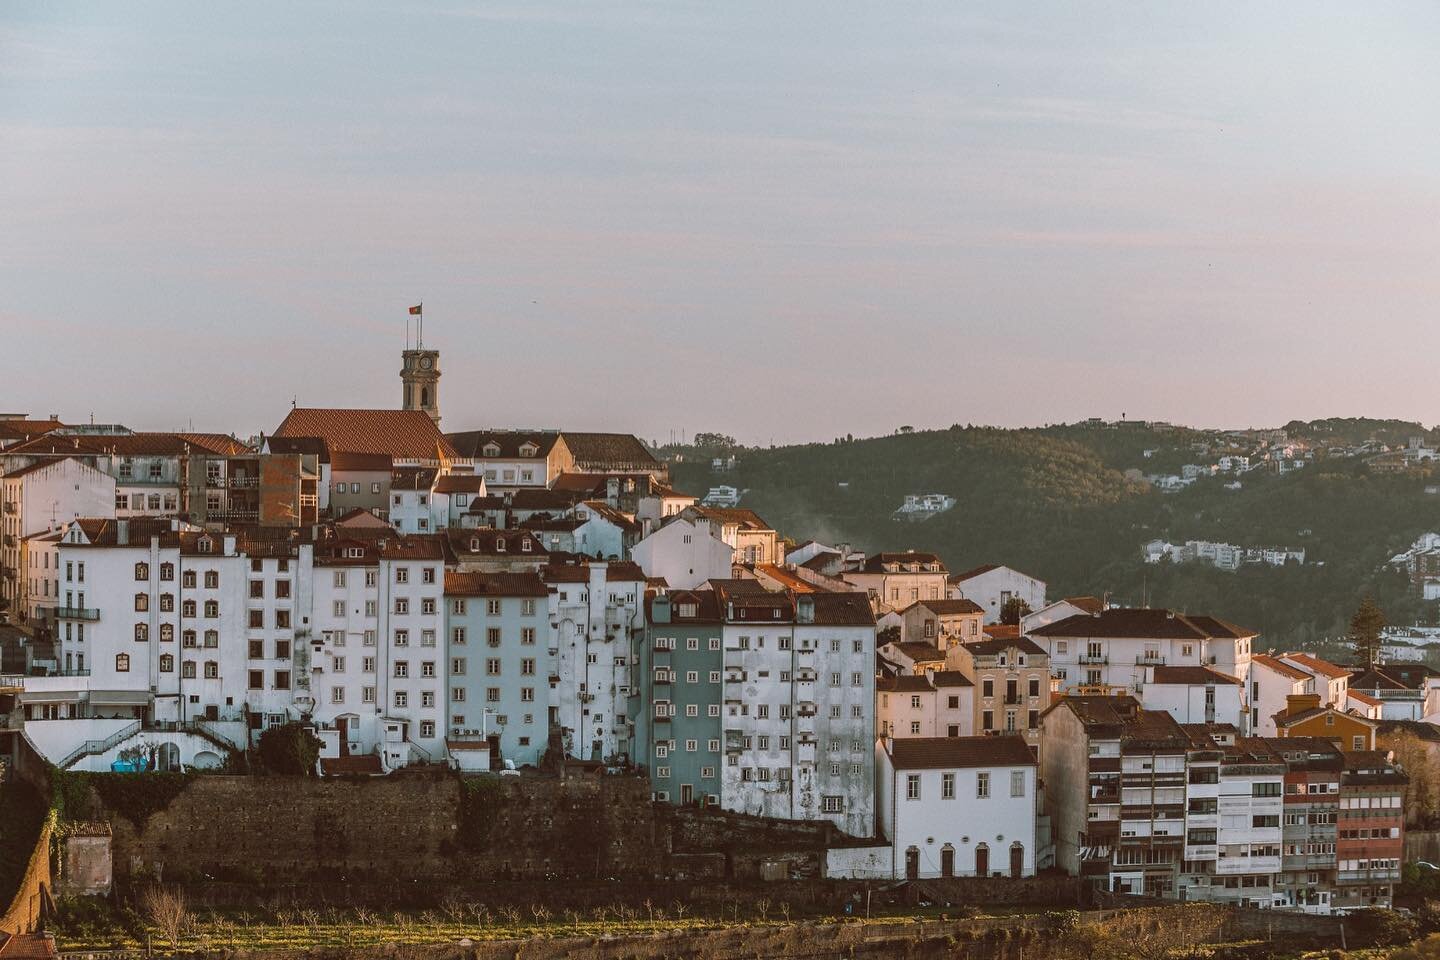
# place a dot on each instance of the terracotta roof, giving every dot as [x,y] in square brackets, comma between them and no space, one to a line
[342,461]
[950,678]
[1376,678]
[1141,622]
[1002,631]
[946,608]
[401,434]
[41,465]
[1366,699]
[538,498]
[412,478]
[494,585]
[459,483]
[623,571]
[1192,675]
[608,449]
[604,511]
[1315,665]
[27,946]
[974,572]
[876,563]
[471,443]
[842,609]
[588,484]
[996,645]
[1282,719]
[787,579]
[351,766]
[311,446]
[1088,604]
[1424,731]
[918,652]
[131,445]
[740,516]
[488,541]
[1280,667]
[933,753]
[905,683]
[1122,718]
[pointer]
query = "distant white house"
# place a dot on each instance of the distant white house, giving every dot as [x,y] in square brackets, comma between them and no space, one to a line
[722,496]
[684,553]
[923,506]
[993,585]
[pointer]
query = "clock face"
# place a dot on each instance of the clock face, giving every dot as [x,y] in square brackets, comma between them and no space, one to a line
[425,363]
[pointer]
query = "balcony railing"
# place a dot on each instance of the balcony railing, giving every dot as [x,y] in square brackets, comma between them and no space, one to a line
[1094,660]
[1145,660]
[77,613]
[244,481]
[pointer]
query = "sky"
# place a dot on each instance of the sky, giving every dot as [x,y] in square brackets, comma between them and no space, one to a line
[781,221]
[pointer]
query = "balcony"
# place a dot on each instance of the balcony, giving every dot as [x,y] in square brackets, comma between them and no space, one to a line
[1387,874]
[1094,661]
[77,613]
[662,680]
[244,481]
[1146,660]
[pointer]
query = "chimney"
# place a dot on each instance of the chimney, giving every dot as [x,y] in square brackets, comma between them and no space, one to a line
[1300,702]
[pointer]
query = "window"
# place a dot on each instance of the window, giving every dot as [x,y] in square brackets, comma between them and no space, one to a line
[402,668]
[402,604]
[457,666]
[987,688]
[402,699]
[167,632]
[947,786]
[212,609]
[142,571]
[257,589]
[256,619]
[982,785]
[187,670]
[187,580]
[492,608]
[492,666]
[427,668]
[212,579]
[167,663]
[1017,783]
[142,602]
[367,694]
[912,786]
[212,670]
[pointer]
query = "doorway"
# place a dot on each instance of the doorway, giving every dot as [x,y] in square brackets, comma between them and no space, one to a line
[947,861]
[982,860]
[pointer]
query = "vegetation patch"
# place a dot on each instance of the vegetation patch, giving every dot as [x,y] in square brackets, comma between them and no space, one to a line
[22,815]
[135,796]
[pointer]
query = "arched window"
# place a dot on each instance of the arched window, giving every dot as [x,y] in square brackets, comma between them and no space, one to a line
[212,609]
[187,639]
[424,397]
[187,609]
[167,633]
[142,571]
[167,663]
[142,631]
[167,571]
[122,663]
[142,602]
[212,638]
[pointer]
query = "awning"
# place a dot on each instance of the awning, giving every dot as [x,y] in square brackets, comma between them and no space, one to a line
[51,696]
[138,698]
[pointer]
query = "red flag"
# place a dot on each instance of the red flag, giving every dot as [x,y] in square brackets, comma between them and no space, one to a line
[415,310]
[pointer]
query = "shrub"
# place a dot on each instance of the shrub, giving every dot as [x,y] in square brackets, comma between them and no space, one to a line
[290,750]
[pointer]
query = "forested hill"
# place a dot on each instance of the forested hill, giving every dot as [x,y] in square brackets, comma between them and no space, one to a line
[1058,502]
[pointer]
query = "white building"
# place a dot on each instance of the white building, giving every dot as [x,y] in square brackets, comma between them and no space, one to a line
[933,703]
[596,609]
[994,585]
[685,553]
[44,496]
[961,806]
[1194,695]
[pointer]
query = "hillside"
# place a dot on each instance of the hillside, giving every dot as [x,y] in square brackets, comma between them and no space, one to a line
[1058,502]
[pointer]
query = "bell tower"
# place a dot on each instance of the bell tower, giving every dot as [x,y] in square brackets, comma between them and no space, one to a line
[420,375]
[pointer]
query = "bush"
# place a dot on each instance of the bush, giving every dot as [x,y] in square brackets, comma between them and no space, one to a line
[290,750]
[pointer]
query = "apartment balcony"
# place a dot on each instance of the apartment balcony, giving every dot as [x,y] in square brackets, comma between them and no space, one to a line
[805,710]
[1089,660]
[1384,875]
[736,676]
[77,613]
[1145,660]
[1226,866]
[662,680]
[242,482]
[663,713]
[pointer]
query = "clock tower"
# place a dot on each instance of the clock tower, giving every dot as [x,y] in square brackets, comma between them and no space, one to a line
[420,375]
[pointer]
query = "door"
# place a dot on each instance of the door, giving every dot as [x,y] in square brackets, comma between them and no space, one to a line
[947,861]
[1017,859]
[687,794]
[982,861]
[912,864]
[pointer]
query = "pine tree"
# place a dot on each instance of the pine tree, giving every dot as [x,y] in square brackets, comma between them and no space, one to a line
[1365,629]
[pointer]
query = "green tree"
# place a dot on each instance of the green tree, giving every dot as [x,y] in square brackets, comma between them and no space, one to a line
[1013,610]
[1365,627]
[290,749]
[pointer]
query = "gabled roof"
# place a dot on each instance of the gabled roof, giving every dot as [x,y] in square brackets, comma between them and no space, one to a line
[905,683]
[130,445]
[1192,675]
[739,516]
[918,652]
[935,753]
[1279,666]
[311,446]
[1314,664]
[998,645]
[1284,720]
[842,609]
[974,572]
[39,465]
[400,434]
[950,678]
[1088,604]
[496,543]
[459,584]
[459,483]
[608,450]
[1141,623]
[878,562]
[472,443]
[947,608]
[603,511]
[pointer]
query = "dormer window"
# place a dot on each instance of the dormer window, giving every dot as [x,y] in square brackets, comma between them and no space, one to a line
[525,545]
[528,450]
[354,553]
[499,544]
[204,544]
[492,450]
[474,544]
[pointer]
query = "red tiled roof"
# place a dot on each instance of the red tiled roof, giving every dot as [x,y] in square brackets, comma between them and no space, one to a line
[947,608]
[1192,675]
[916,651]
[460,483]
[494,585]
[974,572]
[472,442]
[607,450]
[933,753]
[1142,622]
[1284,669]
[131,445]
[401,434]
[1315,665]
